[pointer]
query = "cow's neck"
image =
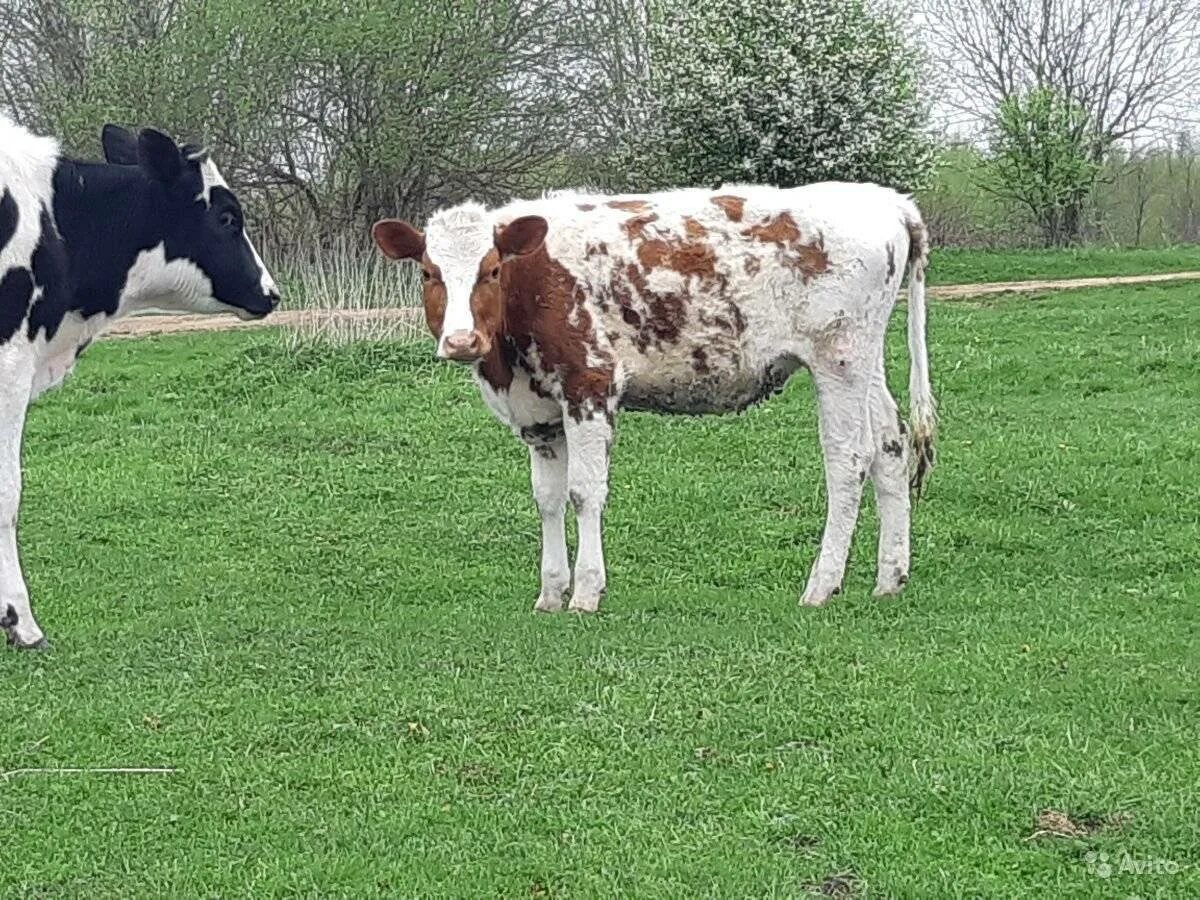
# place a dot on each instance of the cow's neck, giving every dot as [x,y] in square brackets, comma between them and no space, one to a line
[100,212]
[497,367]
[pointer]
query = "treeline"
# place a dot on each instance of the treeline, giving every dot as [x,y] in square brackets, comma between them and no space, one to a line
[1145,197]
[328,114]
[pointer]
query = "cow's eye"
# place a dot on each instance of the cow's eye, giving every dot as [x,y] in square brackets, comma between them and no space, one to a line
[496,272]
[426,275]
[228,219]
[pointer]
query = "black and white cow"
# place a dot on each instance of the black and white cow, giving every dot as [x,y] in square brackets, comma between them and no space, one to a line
[82,244]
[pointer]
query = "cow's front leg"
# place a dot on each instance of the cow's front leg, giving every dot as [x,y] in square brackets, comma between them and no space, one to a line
[588,444]
[16,617]
[548,469]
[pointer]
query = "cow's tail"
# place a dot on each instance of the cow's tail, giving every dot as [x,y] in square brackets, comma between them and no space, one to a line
[922,407]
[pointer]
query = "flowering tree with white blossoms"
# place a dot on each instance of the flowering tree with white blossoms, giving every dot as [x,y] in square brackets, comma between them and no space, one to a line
[785,92]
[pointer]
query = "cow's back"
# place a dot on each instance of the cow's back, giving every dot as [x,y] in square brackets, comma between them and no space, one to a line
[706,301]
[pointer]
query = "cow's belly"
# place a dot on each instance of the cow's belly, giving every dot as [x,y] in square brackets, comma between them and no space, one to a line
[53,371]
[703,384]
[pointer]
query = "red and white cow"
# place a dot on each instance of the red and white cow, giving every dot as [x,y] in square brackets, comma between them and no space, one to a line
[573,306]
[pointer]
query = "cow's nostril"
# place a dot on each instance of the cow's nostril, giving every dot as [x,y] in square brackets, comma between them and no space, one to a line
[461,345]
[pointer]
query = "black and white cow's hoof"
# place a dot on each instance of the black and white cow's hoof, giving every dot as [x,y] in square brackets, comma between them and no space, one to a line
[21,635]
[28,643]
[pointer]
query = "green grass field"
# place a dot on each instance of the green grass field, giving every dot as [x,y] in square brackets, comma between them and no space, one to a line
[304,581]
[950,266]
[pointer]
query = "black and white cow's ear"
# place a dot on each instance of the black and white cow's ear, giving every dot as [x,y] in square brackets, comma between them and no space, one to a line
[521,237]
[120,146]
[398,240]
[159,156]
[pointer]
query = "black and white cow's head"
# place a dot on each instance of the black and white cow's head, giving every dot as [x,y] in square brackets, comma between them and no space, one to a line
[192,250]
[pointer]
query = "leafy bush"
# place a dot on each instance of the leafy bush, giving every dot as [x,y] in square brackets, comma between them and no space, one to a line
[787,93]
[1043,160]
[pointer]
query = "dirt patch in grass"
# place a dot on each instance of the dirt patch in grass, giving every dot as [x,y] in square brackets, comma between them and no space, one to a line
[843,884]
[1056,823]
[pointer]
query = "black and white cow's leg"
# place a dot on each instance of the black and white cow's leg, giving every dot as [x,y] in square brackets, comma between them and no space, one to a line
[548,468]
[889,474]
[588,443]
[16,616]
[845,429]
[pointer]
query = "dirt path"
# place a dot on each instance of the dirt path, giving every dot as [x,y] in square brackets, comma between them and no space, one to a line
[148,325]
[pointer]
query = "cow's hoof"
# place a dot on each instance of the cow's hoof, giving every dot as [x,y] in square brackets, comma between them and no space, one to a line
[548,605]
[584,604]
[815,597]
[32,643]
[891,585]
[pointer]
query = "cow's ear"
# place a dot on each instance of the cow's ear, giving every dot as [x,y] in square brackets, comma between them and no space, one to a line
[521,237]
[159,156]
[398,240]
[120,146]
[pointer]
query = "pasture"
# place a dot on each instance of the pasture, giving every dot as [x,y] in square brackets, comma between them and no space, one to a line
[303,578]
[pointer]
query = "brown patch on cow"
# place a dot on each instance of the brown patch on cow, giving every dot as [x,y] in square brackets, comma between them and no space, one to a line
[586,207]
[1056,823]
[535,385]
[666,312]
[700,361]
[629,205]
[781,230]
[809,259]
[685,257]
[693,228]
[739,321]
[433,296]
[496,368]
[752,265]
[635,227]
[544,305]
[733,207]
[733,324]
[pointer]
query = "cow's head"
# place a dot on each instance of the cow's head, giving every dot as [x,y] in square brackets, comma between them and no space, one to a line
[462,256]
[207,263]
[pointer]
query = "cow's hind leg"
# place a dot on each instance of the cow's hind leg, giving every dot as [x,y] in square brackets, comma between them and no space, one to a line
[889,474]
[16,616]
[548,468]
[588,444]
[845,426]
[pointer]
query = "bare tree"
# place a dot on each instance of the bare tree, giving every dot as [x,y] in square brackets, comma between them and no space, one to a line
[1183,170]
[1127,65]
